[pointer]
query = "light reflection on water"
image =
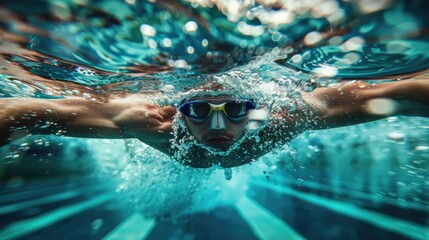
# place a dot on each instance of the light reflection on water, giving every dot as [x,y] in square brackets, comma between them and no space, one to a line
[52,49]
[99,43]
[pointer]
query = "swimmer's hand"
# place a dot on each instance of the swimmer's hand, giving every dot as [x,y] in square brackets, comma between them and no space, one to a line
[141,119]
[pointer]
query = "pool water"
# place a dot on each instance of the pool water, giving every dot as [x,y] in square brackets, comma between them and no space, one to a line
[367,181]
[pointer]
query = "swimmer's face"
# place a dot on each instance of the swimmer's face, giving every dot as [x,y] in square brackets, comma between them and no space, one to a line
[217,130]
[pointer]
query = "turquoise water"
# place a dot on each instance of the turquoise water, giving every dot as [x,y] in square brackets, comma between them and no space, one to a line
[368,181]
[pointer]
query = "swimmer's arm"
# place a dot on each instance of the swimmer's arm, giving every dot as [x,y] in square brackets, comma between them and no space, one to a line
[357,102]
[81,117]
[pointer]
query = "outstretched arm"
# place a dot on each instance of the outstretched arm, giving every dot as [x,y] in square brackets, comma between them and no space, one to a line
[129,117]
[357,102]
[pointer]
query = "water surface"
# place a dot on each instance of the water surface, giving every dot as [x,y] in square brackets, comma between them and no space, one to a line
[368,181]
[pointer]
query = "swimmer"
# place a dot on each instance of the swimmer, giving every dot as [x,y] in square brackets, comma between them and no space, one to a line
[215,122]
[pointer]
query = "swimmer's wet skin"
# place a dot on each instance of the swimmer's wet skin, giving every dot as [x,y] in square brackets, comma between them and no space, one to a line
[217,122]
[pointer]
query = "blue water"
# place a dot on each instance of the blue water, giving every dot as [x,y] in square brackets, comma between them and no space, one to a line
[368,181]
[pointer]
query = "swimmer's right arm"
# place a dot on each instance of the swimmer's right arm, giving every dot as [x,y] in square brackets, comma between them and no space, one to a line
[358,102]
[129,117]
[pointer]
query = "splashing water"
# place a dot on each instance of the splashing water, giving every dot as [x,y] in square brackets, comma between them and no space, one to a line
[134,46]
[263,50]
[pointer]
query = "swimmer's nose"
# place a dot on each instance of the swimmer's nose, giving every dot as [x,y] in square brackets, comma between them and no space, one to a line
[217,121]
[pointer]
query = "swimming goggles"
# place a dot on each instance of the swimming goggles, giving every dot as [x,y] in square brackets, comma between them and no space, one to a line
[201,110]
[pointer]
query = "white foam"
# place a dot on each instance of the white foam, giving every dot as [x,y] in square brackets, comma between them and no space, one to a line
[258,115]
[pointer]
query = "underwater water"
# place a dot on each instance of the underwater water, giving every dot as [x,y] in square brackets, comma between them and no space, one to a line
[367,181]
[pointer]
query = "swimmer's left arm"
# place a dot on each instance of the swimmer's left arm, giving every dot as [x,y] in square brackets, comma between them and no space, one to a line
[130,117]
[357,102]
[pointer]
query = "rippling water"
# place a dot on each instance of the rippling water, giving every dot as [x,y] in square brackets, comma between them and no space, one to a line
[142,44]
[52,49]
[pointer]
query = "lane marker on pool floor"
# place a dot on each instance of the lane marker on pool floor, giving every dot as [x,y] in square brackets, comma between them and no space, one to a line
[40,201]
[34,192]
[356,194]
[18,206]
[264,224]
[135,227]
[388,223]
[27,226]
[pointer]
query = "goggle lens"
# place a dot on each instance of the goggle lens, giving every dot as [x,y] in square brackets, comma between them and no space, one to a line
[236,109]
[199,109]
[202,110]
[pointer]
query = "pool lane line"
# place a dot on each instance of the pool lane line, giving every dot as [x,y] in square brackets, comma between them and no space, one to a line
[6,189]
[5,209]
[29,194]
[135,227]
[40,201]
[264,224]
[388,223]
[37,191]
[356,194]
[27,226]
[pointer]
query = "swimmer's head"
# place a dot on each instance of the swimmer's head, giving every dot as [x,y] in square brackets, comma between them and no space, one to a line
[216,121]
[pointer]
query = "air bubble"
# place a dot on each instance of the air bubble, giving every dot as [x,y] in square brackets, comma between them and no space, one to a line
[190,49]
[312,38]
[190,26]
[166,42]
[147,30]
[381,106]
[353,44]
[297,58]
[152,43]
[422,148]
[335,41]
[396,135]
[243,43]
[325,71]
[276,36]
[181,63]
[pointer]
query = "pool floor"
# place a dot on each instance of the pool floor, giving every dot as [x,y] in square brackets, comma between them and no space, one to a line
[85,209]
